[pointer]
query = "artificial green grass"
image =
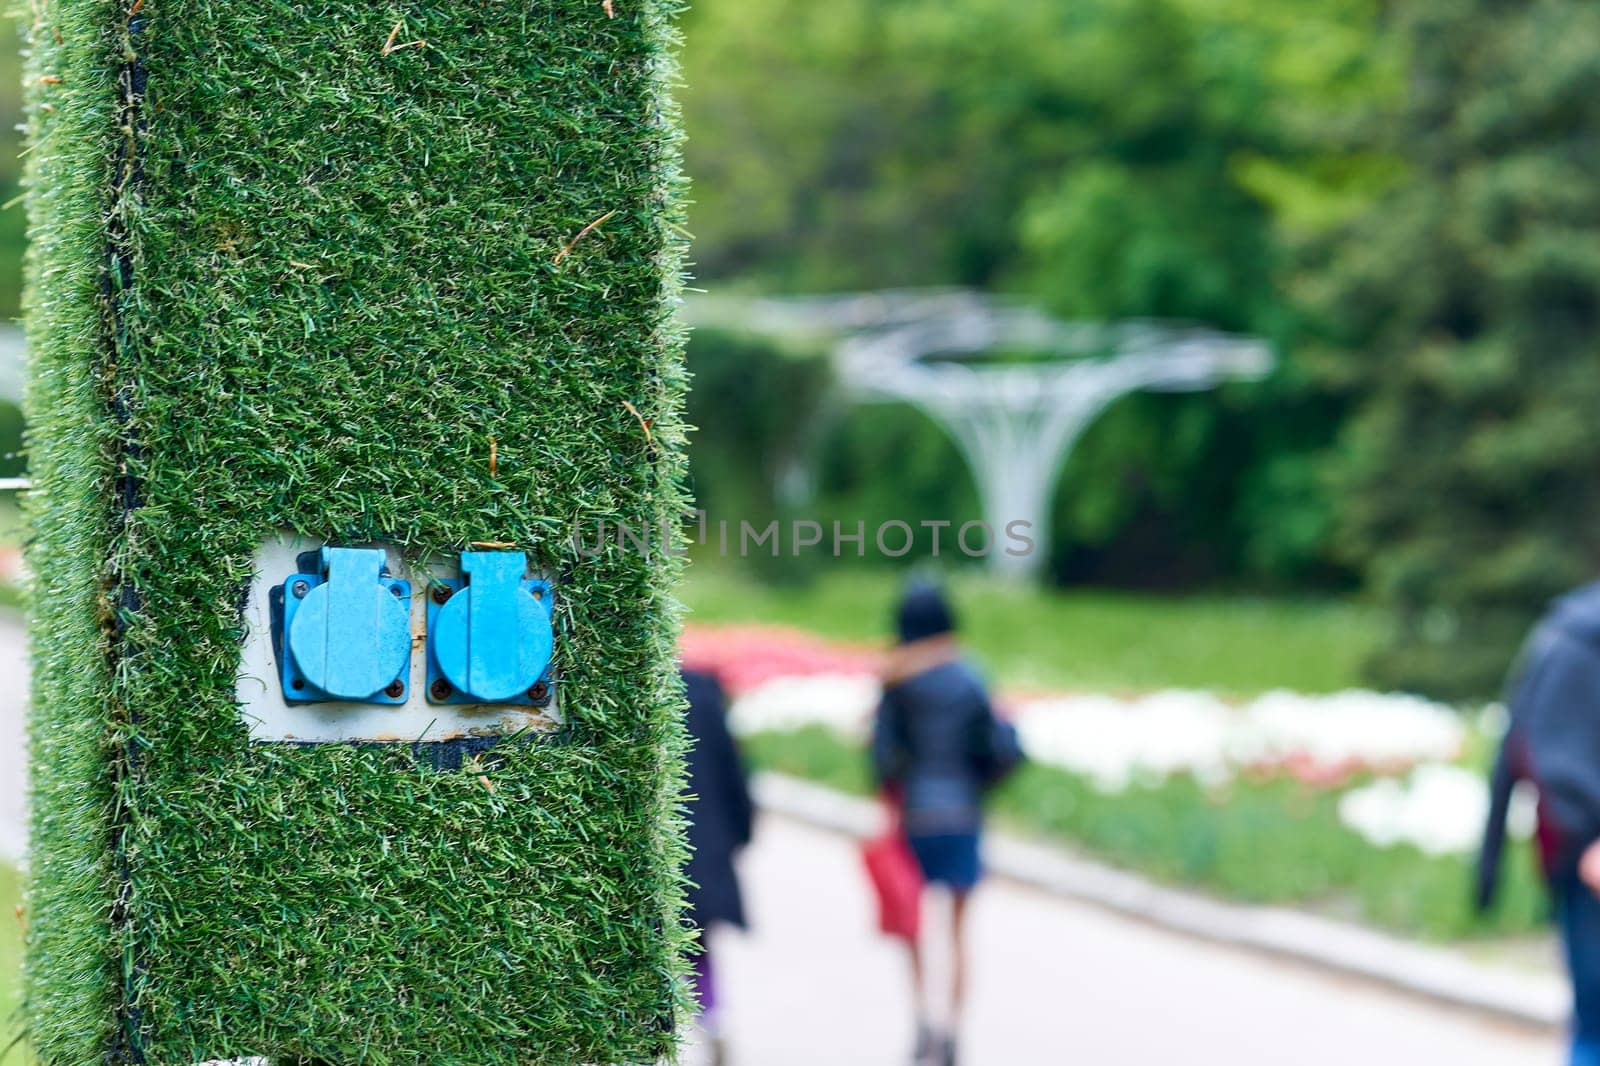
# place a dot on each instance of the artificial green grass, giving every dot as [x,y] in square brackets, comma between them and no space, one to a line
[1076,639]
[292,272]
[1269,841]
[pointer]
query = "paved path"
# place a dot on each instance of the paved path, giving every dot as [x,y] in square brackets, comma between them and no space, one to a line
[1054,982]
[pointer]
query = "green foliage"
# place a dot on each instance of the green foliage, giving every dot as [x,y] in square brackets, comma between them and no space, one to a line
[339,275]
[1179,490]
[888,462]
[1146,218]
[1078,640]
[1463,313]
[1162,491]
[755,408]
[773,440]
[1110,242]
[13,463]
[1114,158]
[872,144]
[857,147]
[1273,841]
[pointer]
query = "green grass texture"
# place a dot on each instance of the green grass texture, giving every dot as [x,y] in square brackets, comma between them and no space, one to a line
[359,272]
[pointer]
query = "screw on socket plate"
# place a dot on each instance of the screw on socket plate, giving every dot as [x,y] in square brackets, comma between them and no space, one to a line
[396,689]
[300,588]
[539,692]
[441,689]
[397,590]
[441,593]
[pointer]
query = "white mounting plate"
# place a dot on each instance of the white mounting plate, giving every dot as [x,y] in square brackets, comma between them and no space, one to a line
[272,718]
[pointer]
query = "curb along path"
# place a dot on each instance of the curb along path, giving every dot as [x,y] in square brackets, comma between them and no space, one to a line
[1440,974]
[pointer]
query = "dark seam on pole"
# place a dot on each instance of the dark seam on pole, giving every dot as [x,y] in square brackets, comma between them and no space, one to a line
[127,1043]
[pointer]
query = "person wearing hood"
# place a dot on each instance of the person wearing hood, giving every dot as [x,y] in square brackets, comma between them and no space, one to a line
[1552,741]
[937,745]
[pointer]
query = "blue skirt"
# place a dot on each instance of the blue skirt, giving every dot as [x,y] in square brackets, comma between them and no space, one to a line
[949,859]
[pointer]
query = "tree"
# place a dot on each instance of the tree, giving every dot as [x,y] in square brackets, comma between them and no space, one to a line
[1110,158]
[1464,310]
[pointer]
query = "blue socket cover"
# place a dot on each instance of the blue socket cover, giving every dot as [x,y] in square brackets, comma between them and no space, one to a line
[490,641]
[347,631]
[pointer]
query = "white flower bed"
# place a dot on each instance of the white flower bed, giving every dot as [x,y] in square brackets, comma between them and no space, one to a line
[841,702]
[1438,808]
[1115,743]
[1370,728]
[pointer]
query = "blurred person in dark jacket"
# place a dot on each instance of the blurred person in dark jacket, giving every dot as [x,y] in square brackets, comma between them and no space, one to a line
[937,745]
[720,818]
[1553,741]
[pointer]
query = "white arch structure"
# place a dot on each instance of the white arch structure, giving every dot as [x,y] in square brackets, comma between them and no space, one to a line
[1014,420]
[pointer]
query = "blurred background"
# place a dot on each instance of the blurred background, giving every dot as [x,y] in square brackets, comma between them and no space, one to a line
[1256,659]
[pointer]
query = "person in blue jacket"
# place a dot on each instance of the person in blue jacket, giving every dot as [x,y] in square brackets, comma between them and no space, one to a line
[936,747]
[720,816]
[1553,741]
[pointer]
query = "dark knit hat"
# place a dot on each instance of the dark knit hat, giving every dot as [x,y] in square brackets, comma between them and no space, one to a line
[923,613]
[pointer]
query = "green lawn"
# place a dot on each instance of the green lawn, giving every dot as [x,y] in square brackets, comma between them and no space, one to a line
[1104,641]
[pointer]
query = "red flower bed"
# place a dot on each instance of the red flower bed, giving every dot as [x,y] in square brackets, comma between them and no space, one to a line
[744,656]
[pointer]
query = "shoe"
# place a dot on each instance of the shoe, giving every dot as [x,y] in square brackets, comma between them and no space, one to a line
[947,1052]
[922,1050]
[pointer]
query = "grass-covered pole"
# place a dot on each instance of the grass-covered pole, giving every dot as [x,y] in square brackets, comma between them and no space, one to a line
[362,274]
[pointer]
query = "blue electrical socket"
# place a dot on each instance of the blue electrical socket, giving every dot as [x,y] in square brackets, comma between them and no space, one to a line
[346,631]
[490,637]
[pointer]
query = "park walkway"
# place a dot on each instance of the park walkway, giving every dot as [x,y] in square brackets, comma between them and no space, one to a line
[1056,982]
